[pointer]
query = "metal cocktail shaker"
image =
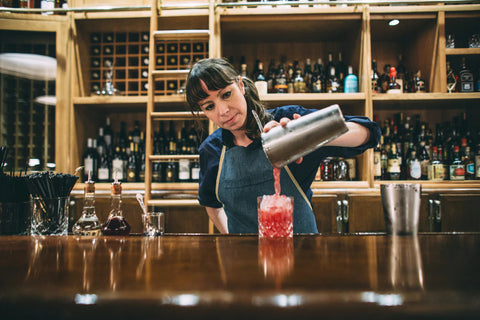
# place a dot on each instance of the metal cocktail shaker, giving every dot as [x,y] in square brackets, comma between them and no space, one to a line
[299,137]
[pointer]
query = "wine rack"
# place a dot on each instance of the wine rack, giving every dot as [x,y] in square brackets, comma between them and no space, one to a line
[128,53]
[27,127]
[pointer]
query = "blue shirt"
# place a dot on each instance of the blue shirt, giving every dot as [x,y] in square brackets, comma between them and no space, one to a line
[304,172]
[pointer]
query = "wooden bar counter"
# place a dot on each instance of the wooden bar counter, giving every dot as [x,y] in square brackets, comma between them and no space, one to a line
[358,276]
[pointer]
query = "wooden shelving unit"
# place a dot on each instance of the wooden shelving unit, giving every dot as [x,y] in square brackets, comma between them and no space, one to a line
[358,31]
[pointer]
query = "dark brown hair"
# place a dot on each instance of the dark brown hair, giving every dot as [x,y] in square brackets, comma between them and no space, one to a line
[218,73]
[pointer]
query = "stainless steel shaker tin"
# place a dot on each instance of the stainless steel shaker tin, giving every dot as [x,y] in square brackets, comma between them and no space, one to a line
[299,137]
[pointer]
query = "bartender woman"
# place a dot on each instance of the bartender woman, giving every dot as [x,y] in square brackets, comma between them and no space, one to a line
[234,169]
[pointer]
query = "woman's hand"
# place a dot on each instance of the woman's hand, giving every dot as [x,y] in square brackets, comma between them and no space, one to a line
[283,122]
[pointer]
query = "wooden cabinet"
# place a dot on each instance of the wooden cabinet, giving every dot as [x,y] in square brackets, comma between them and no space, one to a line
[359,32]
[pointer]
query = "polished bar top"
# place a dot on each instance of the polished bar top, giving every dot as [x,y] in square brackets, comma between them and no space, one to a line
[372,276]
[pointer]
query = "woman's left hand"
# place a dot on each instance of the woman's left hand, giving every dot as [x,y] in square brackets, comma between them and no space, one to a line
[283,122]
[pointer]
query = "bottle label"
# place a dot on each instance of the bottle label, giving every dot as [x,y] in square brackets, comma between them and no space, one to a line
[117,168]
[88,162]
[477,165]
[396,91]
[184,169]
[103,174]
[195,174]
[393,166]
[436,172]
[352,168]
[262,87]
[424,167]
[377,165]
[470,169]
[457,172]
[415,170]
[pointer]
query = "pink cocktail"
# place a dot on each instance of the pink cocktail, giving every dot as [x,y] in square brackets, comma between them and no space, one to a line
[275,216]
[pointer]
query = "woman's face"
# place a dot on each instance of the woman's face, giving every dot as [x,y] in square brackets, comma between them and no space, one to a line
[226,107]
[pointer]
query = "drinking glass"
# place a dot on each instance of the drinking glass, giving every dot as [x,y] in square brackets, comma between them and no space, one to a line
[50,216]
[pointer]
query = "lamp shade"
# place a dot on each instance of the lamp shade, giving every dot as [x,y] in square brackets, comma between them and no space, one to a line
[30,66]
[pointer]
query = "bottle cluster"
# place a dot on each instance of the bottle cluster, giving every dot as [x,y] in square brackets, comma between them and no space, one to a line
[302,77]
[397,79]
[460,78]
[337,169]
[410,150]
[124,156]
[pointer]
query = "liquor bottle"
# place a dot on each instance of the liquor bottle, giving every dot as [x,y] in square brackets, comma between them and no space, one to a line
[466,78]
[329,65]
[393,86]
[384,159]
[418,84]
[260,81]
[104,167]
[171,171]
[351,82]
[141,167]
[132,173]
[88,224]
[385,78]
[118,164]
[90,160]
[308,74]
[451,79]
[243,70]
[299,85]
[171,139]
[317,77]
[340,68]
[281,85]
[457,168]
[469,163]
[377,162]
[393,163]
[424,158]
[108,136]
[414,171]
[333,85]
[271,76]
[375,78]
[291,78]
[436,171]
[401,72]
[116,224]
[477,162]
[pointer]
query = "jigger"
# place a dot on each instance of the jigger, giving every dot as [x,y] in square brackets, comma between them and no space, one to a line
[299,137]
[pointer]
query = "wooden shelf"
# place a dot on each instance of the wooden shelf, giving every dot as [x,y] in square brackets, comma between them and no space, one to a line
[462,51]
[426,96]
[166,157]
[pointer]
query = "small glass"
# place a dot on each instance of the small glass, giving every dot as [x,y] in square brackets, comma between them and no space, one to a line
[50,216]
[275,216]
[153,223]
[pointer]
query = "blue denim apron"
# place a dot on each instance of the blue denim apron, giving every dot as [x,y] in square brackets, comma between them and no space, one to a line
[243,175]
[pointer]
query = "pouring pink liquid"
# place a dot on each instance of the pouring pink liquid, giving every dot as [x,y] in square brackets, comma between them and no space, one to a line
[275,212]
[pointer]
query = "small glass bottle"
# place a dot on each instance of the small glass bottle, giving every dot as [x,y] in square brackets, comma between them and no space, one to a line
[88,224]
[116,224]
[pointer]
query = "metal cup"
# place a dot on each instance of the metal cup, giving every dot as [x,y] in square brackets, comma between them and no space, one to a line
[299,137]
[401,208]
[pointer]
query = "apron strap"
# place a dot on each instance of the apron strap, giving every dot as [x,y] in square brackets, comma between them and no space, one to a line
[298,186]
[220,165]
